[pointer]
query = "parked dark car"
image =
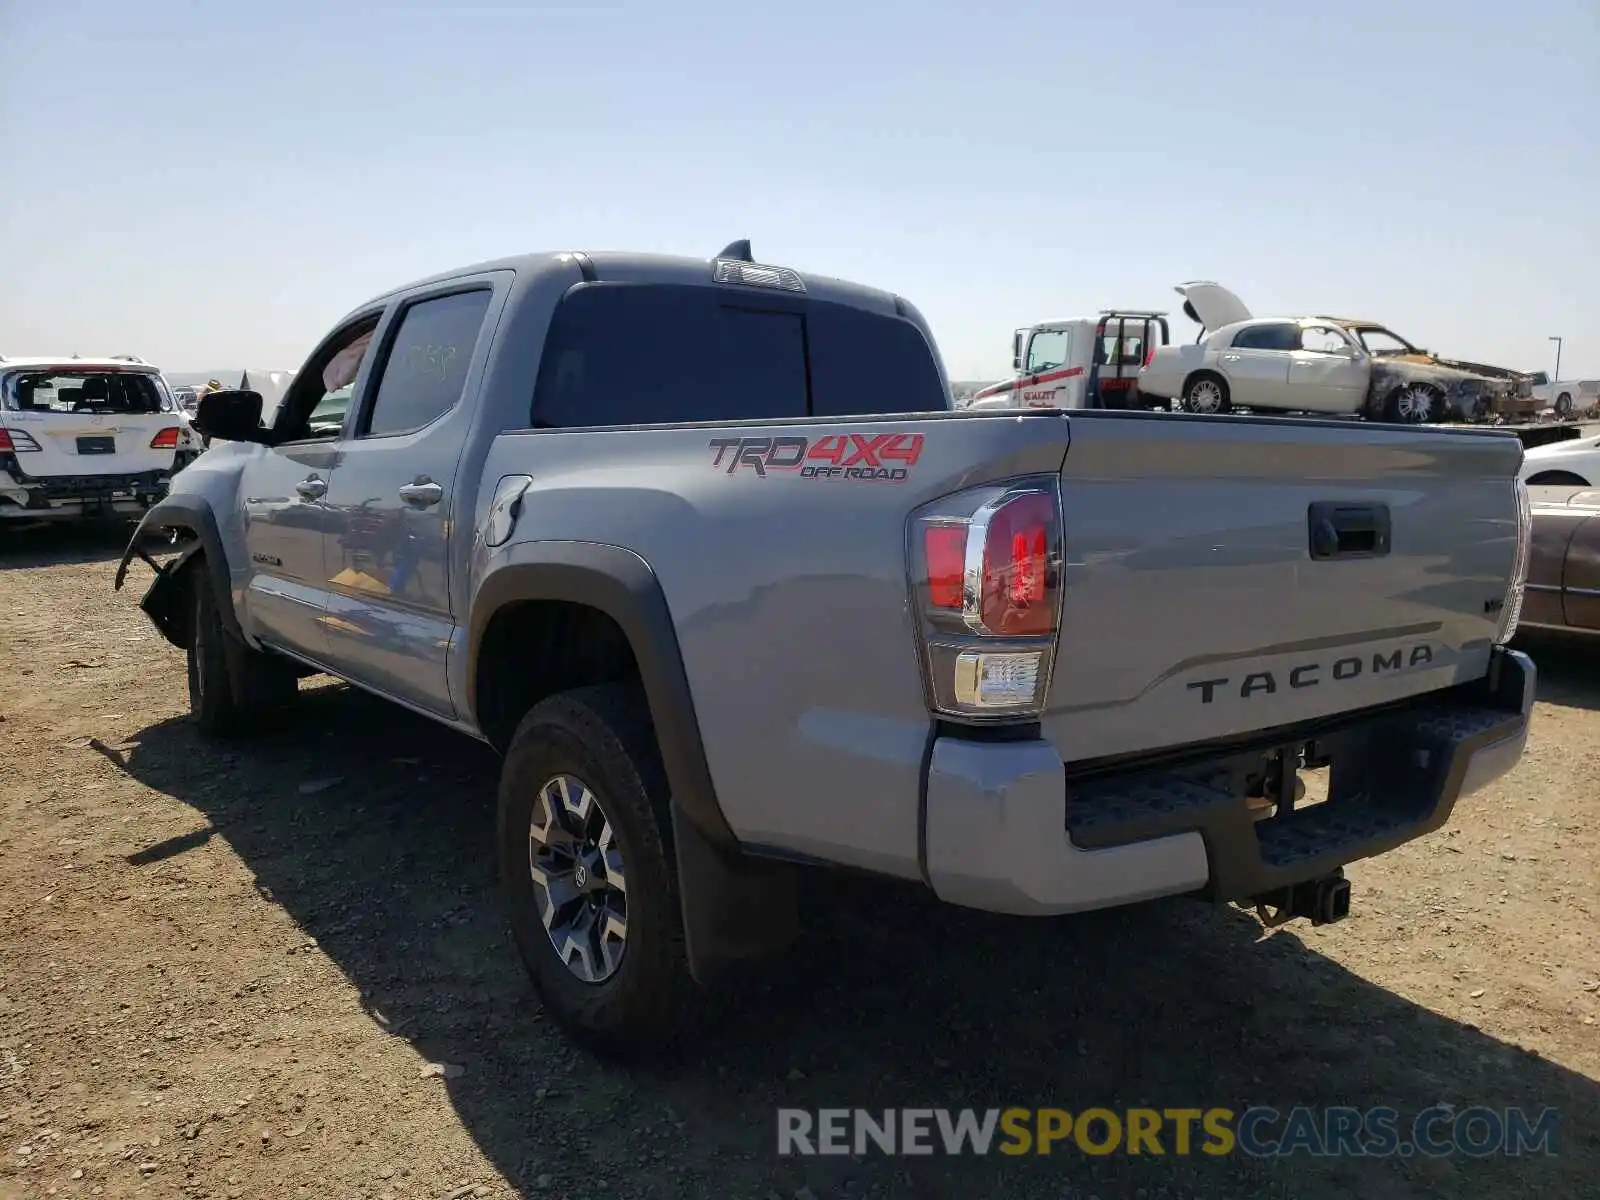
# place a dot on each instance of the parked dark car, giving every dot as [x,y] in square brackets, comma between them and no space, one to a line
[1563,590]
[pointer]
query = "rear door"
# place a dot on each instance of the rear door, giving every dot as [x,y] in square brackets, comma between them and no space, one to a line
[1256,364]
[394,500]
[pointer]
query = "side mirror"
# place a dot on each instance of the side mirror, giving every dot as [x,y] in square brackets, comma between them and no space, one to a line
[1016,350]
[232,415]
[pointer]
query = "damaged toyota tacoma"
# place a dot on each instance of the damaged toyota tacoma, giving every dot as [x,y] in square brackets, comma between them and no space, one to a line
[699,547]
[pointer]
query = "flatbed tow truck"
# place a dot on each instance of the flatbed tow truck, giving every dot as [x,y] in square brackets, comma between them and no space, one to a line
[1530,433]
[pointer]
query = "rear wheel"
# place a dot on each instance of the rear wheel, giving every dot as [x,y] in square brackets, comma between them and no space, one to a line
[1564,405]
[586,868]
[1206,393]
[229,683]
[1557,479]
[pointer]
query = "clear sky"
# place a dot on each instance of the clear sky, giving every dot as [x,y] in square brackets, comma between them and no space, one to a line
[210,185]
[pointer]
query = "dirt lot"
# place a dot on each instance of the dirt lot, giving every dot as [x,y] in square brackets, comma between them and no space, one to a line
[226,972]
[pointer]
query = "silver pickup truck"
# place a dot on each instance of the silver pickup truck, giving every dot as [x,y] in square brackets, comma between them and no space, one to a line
[642,525]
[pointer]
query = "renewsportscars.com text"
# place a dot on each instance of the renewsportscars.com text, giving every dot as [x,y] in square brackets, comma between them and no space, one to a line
[1259,1131]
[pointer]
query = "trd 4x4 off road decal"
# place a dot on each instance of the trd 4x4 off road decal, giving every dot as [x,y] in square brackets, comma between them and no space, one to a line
[880,457]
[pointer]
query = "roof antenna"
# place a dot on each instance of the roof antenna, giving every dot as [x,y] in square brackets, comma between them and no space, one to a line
[739,250]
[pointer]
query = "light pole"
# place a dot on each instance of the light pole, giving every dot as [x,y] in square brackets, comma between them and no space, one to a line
[1556,378]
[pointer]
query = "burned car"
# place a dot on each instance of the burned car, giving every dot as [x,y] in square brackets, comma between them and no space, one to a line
[1471,390]
[1335,365]
[1563,588]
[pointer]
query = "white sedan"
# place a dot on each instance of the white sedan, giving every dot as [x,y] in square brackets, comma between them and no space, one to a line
[1315,364]
[1575,463]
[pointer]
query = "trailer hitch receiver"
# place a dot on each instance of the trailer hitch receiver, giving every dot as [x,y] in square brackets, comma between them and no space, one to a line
[1323,901]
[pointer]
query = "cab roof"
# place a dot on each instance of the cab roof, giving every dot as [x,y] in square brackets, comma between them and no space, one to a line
[625,266]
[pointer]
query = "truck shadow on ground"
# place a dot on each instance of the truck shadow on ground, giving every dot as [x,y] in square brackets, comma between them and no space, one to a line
[55,545]
[889,1000]
[1569,666]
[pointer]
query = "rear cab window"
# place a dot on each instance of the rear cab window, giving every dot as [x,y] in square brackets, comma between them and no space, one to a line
[639,354]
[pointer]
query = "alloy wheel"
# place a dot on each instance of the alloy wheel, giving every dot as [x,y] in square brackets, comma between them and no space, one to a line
[1415,404]
[1205,397]
[579,879]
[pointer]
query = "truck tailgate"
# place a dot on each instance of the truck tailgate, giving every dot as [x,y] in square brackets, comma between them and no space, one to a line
[1230,576]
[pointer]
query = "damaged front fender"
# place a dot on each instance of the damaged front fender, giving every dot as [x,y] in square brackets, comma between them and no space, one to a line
[166,601]
[1465,396]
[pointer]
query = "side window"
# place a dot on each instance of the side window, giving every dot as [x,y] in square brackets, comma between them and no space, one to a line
[1127,351]
[1268,337]
[1047,350]
[862,363]
[426,368]
[1323,340]
[620,354]
[313,408]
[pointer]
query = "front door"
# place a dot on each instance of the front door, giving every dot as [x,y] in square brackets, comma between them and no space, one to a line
[1328,373]
[283,491]
[286,525]
[395,502]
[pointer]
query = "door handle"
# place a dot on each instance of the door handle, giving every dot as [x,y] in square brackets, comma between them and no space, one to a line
[1348,530]
[423,492]
[1230,358]
[312,488]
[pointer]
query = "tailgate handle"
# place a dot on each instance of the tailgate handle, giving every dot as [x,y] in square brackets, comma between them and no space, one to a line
[1348,530]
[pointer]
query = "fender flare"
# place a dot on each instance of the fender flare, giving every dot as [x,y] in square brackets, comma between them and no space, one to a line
[733,906]
[195,515]
[620,584]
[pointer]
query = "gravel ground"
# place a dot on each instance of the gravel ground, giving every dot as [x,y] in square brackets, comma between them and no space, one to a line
[280,969]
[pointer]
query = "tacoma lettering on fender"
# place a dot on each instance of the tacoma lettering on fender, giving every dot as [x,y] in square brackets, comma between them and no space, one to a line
[701,550]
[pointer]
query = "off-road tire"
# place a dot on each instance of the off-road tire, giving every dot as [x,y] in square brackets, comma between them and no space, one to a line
[230,685]
[1564,406]
[602,735]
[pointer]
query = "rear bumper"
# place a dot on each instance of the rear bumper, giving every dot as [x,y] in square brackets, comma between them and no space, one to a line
[1008,830]
[25,497]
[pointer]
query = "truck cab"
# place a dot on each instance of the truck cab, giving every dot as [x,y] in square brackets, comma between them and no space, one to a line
[1090,362]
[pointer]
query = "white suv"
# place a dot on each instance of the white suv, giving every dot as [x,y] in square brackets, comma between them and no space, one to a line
[87,437]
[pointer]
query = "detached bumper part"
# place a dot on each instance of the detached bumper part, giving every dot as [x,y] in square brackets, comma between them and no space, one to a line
[1008,831]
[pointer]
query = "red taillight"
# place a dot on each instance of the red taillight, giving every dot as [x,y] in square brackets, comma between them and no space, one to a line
[989,637]
[1019,586]
[167,439]
[1149,354]
[16,441]
[1018,596]
[945,547]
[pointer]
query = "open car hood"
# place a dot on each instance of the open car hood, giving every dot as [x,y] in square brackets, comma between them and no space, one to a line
[1211,304]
